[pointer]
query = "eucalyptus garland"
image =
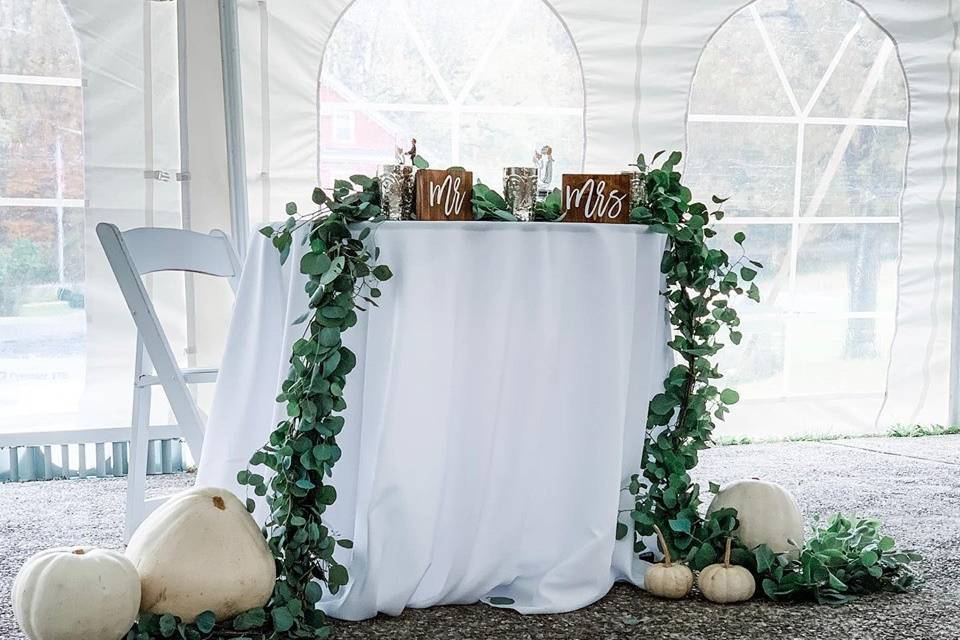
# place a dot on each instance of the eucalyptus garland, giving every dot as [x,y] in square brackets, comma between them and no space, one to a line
[847,558]
[303,449]
[299,457]
[701,281]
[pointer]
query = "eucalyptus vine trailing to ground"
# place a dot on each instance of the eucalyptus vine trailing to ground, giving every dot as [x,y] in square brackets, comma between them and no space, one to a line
[845,559]
[302,450]
[343,277]
[701,280]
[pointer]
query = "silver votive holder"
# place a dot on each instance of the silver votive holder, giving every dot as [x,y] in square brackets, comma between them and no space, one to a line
[638,192]
[520,191]
[396,191]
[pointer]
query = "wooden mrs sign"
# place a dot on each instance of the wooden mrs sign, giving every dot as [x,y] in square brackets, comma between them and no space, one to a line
[591,197]
[444,194]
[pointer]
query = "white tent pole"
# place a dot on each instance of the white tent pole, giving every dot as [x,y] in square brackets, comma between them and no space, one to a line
[183,177]
[233,107]
[954,399]
[954,408]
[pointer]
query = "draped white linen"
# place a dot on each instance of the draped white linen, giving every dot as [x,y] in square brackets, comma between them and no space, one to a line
[498,403]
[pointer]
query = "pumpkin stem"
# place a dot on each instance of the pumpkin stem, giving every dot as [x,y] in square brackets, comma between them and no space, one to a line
[726,555]
[218,503]
[78,552]
[667,561]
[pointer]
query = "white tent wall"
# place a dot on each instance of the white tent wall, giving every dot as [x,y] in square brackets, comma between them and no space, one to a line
[638,62]
[130,116]
[924,32]
[283,45]
[129,56]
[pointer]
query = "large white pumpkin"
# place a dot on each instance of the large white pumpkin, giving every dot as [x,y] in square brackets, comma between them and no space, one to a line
[768,514]
[76,593]
[202,551]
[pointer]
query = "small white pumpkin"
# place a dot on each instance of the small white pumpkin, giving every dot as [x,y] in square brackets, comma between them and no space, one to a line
[76,593]
[666,579]
[767,513]
[726,582]
[201,550]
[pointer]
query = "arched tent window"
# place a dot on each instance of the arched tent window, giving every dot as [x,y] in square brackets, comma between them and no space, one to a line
[479,84]
[798,111]
[42,320]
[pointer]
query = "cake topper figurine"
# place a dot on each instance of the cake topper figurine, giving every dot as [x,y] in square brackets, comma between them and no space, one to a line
[413,149]
[543,159]
[401,156]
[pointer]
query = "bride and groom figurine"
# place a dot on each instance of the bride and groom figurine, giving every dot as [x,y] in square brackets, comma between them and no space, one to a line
[543,160]
[401,156]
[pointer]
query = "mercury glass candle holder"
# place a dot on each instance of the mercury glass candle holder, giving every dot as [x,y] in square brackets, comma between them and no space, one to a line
[638,192]
[396,191]
[520,191]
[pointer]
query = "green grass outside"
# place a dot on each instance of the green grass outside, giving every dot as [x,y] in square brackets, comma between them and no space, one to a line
[898,431]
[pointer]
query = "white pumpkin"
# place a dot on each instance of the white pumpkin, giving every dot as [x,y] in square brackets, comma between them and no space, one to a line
[666,579]
[767,513]
[76,593]
[201,550]
[725,582]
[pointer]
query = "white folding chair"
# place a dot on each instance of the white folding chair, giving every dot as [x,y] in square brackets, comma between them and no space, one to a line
[133,254]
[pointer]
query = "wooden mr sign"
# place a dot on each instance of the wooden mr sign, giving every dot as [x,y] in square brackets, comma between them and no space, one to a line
[444,194]
[596,197]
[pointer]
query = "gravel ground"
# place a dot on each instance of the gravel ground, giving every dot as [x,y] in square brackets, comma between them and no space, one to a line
[912,484]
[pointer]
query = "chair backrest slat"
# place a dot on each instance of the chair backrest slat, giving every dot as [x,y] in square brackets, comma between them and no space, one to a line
[134,253]
[160,249]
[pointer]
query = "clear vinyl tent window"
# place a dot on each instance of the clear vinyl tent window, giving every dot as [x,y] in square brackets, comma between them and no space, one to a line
[798,111]
[479,84]
[42,318]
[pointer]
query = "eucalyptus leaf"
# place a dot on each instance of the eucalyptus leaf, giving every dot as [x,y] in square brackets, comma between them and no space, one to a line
[382,272]
[167,625]
[282,620]
[313,592]
[338,575]
[314,263]
[205,622]
[729,396]
[662,404]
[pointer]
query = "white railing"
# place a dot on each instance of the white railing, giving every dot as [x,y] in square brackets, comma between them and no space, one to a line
[48,455]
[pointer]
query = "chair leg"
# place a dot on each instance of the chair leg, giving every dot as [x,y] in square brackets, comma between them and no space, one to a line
[137,465]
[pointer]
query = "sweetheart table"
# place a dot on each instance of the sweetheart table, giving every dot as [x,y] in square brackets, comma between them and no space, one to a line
[498,404]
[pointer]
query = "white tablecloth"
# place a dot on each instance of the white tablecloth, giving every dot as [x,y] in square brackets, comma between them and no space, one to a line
[498,404]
